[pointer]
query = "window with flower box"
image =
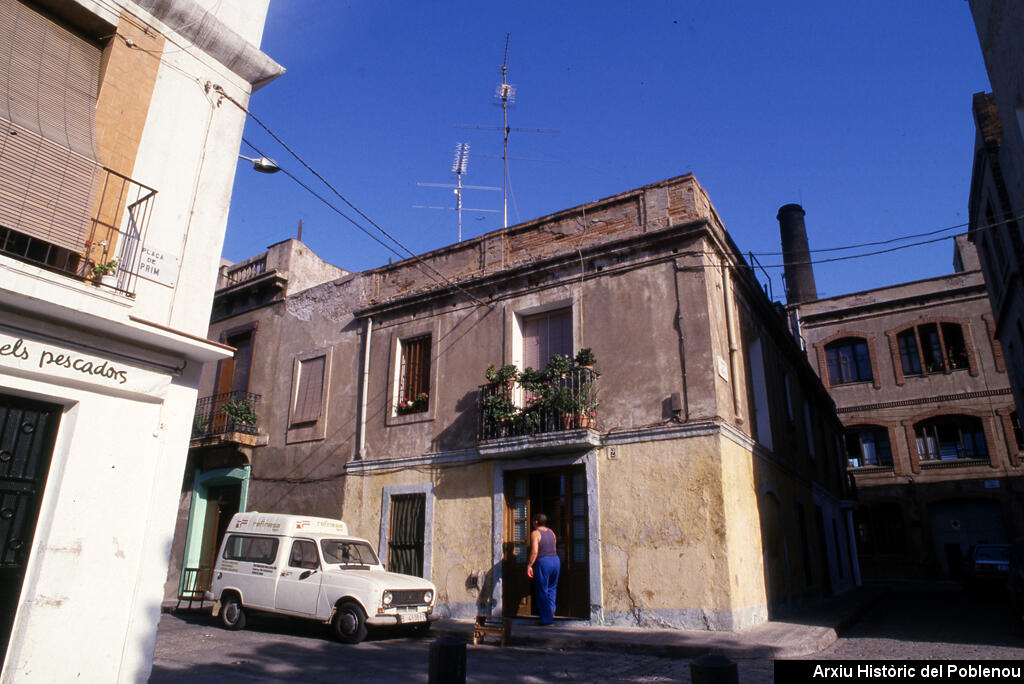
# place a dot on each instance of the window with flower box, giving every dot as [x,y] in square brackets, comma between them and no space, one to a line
[414,375]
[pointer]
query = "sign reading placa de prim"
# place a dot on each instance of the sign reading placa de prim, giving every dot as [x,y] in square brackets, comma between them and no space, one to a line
[44,358]
[158,266]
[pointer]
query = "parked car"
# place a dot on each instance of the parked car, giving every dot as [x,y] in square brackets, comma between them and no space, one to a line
[987,565]
[311,568]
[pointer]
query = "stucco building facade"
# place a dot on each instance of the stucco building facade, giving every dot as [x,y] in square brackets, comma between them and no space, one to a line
[694,478]
[116,169]
[932,437]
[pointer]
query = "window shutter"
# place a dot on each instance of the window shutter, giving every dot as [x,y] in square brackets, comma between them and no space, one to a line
[309,395]
[49,166]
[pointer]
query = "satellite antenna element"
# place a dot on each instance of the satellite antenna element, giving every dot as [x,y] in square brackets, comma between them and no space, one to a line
[460,162]
[459,165]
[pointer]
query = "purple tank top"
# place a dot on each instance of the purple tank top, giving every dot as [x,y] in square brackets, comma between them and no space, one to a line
[546,547]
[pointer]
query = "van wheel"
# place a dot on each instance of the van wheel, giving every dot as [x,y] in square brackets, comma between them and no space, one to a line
[232,615]
[349,623]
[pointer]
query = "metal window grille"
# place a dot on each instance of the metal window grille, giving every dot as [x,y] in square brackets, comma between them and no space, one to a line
[408,525]
[415,370]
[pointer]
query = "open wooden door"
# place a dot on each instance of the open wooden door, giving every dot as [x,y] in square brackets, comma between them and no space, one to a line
[561,494]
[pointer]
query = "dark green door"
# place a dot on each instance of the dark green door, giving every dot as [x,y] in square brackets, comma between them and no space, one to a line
[27,433]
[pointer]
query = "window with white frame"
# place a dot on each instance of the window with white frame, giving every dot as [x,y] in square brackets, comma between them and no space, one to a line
[545,335]
[413,375]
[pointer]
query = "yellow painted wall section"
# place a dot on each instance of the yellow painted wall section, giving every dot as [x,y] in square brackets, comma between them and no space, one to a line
[461,530]
[743,524]
[663,526]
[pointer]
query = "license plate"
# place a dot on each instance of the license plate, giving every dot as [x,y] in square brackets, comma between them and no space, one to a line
[412,617]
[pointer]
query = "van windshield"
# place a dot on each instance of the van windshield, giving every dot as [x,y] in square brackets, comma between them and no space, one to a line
[343,552]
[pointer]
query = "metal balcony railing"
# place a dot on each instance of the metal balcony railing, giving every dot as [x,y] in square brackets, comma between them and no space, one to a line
[565,402]
[112,255]
[221,414]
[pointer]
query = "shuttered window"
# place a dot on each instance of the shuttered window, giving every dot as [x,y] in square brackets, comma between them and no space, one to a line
[545,335]
[310,391]
[49,167]
[415,371]
[405,545]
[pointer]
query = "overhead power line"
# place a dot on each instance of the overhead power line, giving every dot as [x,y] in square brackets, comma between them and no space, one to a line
[423,264]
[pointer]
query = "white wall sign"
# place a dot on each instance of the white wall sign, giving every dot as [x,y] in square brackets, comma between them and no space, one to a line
[158,266]
[991,484]
[41,358]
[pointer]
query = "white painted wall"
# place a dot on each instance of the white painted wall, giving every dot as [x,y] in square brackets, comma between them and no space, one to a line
[92,592]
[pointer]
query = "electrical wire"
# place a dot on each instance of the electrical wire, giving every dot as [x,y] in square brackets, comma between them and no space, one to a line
[874,243]
[417,260]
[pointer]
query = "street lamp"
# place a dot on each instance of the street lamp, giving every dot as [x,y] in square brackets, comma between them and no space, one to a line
[262,164]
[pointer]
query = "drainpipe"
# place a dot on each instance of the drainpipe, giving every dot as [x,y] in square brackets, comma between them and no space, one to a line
[730,326]
[366,385]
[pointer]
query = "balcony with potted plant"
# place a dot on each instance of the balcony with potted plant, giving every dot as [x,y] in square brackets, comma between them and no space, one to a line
[537,410]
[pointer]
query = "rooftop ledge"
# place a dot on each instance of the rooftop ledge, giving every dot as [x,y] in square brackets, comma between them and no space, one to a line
[582,439]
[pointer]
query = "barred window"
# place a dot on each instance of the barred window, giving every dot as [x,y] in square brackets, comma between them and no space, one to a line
[414,375]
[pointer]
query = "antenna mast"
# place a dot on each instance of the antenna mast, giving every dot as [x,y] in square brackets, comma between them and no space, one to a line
[507,93]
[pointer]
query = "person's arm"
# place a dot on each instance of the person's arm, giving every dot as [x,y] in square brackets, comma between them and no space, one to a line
[534,550]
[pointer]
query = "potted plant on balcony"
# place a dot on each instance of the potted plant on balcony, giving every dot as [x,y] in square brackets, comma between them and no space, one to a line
[105,273]
[585,358]
[240,411]
[504,376]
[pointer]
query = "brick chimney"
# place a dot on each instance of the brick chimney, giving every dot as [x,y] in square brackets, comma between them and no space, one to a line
[796,255]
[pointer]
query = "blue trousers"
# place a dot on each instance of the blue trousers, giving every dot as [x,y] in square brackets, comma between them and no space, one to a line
[546,584]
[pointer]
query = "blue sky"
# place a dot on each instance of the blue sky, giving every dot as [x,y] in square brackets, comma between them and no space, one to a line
[861,112]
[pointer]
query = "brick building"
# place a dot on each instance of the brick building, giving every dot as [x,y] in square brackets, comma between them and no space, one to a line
[931,435]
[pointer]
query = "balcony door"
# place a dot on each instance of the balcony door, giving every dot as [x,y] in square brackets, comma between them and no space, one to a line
[232,376]
[561,494]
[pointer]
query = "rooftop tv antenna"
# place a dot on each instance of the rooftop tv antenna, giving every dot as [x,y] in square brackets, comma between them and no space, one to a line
[460,163]
[506,93]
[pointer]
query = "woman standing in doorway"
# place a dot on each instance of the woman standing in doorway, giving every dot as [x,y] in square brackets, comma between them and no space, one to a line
[542,554]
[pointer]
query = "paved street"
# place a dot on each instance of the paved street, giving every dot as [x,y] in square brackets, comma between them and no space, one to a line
[933,622]
[915,621]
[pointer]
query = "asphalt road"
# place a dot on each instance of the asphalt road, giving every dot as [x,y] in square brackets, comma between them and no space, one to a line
[913,622]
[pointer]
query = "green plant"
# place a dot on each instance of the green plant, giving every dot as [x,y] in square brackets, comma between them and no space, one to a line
[559,366]
[585,357]
[501,376]
[241,411]
[105,268]
[499,408]
[200,424]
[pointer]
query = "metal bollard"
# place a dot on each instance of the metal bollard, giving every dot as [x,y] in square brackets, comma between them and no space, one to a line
[448,661]
[713,669]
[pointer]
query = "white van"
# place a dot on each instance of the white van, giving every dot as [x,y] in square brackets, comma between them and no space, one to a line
[311,568]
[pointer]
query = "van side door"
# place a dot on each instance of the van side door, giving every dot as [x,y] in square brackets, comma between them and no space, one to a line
[298,586]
